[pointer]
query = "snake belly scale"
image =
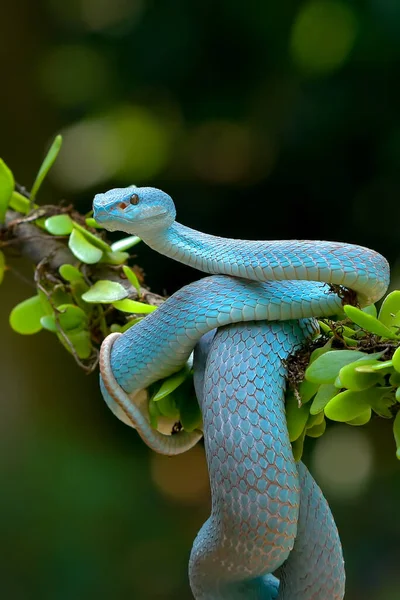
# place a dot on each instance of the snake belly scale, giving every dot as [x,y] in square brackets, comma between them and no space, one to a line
[271,533]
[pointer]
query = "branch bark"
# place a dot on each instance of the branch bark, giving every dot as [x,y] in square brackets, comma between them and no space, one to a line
[37,245]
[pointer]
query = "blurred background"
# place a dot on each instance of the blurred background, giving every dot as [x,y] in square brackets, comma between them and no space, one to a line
[263,120]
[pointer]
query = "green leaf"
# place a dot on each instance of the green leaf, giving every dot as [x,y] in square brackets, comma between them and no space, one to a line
[190,414]
[326,368]
[80,340]
[6,189]
[317,430]
[349,405]
[115,258]
[131,306]
[375,366]
[352,379]
[170,384]
[104,292]
[82,249]
[296,417]
[132,278]
[125,243]
[25,317]
[59,225]
[46,165]
[167,407]
[90,222]
[154,413]
[370,310]
[2,266]
[397,395]
[394,378]
[93,239]
[21,204]
[48,322]
[325,393]
[71,317]
[369,323]
[389,309]
[382,403]
[396,432]
[70,273]
[307,390]
[396,360]
[346,406]
[297,447]
[362,419]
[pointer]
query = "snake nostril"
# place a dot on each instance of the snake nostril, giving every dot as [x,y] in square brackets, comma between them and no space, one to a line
[122,205]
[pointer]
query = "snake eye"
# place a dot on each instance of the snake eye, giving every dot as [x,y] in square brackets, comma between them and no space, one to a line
[134,199]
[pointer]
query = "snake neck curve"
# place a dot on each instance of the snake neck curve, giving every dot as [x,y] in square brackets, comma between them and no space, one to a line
[328,262]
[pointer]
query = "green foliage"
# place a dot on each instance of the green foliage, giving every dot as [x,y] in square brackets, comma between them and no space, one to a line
[6,189]
[46,165]
[353,381]
[352,374]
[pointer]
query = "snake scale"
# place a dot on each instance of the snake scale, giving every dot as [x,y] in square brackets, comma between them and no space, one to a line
[271,533]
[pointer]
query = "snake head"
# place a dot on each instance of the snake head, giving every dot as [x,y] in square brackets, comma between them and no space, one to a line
[134,210]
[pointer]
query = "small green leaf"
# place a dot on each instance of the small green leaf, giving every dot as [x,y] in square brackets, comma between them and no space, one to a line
[2,266]
[307,390]
[6,189]
[82,249]
[369,323]
[296,417]
[394,378]
[90,222]
[370,310]
[362,419]
[154,414]
[190,414]
[326,368]
[80,340]
[71,317]
[115,258]
[397,395]
[375,366]
[167,407]
[317,430]
[349,405]
[346,406]
[171,384]
[325,393]
[25,317]
[125,243]
[48,322]
[131,306]
[389,309]
[396,360]
[352,379]
[59,225]
[92,239]
[297,447]
[105,292]
[46,165]
[132,278]
[21,204]
[396,432]
[70,273]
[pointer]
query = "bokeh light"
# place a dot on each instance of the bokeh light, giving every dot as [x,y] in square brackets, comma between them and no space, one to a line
[343,461]
[323,35]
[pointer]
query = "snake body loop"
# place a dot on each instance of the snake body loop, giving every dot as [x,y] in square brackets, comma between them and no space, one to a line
[268,515]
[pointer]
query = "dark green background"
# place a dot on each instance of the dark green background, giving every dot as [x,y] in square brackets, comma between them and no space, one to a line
[263,120]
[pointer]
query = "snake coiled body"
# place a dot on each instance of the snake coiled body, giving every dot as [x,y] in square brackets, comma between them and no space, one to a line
[268,515]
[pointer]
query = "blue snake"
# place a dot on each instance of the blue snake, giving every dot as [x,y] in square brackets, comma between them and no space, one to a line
[271,533]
